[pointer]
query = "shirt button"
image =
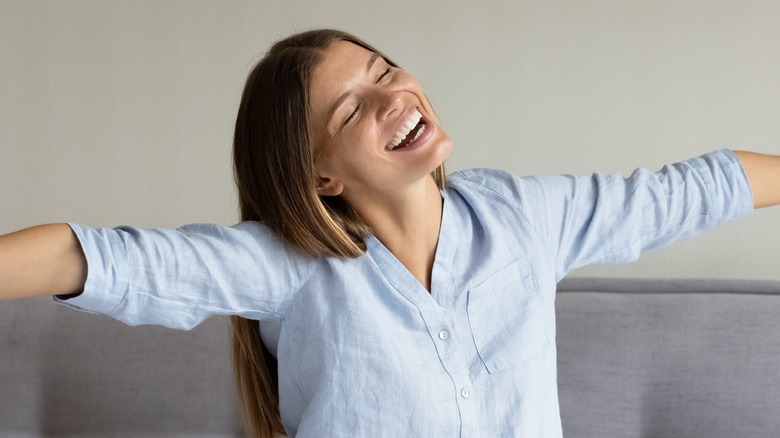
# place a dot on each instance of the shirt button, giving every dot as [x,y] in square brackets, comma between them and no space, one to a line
[444,335]
[465,393]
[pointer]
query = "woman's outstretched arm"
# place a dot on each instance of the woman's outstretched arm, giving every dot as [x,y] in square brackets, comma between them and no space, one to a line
[763,172]
[48,259]
[42,260]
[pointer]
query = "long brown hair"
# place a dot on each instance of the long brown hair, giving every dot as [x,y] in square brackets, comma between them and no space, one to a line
[274,164]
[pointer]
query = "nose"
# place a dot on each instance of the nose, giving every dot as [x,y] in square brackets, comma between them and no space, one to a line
[387,102]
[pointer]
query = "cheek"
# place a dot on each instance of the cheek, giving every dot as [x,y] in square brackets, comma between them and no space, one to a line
[361,135]
[353,145]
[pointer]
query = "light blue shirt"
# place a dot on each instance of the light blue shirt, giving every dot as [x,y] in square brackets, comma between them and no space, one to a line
[363,348]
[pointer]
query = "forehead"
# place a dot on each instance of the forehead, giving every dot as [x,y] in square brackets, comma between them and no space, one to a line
[342,64]
[340,61]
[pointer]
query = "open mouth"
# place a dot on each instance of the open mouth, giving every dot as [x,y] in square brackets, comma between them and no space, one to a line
[411,130]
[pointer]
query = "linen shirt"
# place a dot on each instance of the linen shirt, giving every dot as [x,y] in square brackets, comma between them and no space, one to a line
[363,348]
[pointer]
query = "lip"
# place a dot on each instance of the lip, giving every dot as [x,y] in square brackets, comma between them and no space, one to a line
[429,128]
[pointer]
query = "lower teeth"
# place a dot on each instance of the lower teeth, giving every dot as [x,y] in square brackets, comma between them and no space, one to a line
[419,133]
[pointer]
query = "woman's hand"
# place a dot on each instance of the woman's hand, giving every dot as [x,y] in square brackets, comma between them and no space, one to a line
[42,260]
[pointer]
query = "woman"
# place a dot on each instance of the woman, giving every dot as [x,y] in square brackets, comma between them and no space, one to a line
[394,304]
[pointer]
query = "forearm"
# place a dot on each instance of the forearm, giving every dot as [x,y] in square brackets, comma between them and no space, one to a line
[42,260]
[763,172]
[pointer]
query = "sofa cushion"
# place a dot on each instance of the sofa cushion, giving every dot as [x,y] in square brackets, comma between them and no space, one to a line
[67,373]
[669,358]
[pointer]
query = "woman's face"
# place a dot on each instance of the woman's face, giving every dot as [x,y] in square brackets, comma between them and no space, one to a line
[374,130]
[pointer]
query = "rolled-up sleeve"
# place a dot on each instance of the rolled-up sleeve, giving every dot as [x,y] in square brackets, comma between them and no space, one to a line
[179,277]
[612,219]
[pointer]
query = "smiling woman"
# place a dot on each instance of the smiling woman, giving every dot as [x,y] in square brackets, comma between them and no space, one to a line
[369,295]
[346,104]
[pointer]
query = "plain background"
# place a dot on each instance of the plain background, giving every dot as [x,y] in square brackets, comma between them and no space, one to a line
[121,112]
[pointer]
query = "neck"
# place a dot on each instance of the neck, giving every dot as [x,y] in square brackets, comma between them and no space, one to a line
[408,225]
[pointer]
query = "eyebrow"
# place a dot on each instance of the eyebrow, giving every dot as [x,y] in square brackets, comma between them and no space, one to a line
[343,97]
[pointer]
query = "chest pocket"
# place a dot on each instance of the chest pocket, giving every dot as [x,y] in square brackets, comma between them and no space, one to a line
[507,318]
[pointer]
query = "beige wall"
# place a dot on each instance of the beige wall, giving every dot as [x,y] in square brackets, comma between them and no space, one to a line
[121,112]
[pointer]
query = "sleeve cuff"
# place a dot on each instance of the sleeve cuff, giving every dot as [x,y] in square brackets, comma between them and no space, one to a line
[729,190]
[107,279]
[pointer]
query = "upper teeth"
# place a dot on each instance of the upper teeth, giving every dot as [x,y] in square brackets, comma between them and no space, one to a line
[406,128]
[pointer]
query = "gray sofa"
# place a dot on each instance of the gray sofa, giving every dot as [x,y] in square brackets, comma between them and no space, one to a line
[637,358]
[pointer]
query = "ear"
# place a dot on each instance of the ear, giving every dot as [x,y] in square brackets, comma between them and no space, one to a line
[329,187]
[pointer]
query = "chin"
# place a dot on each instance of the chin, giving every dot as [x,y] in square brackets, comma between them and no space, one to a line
[443,150]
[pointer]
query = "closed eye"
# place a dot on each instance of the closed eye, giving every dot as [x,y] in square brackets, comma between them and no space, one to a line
[353,115]
[384,74]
